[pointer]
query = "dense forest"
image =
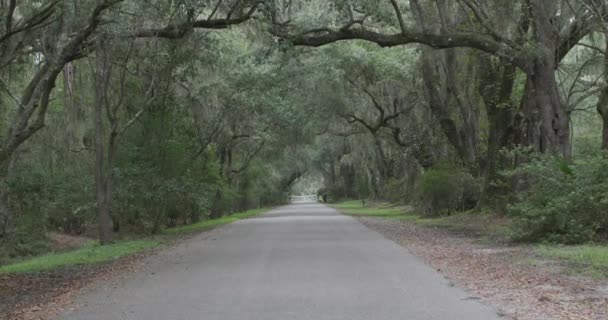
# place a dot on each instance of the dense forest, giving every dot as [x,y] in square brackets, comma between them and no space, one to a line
[123,118]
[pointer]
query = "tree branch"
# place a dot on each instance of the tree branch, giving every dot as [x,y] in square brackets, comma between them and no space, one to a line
[438,41]
[180,30]
[399,15]
[248,159]
[32,22]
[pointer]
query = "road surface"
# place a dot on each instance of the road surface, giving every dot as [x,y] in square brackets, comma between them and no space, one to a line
[298,262]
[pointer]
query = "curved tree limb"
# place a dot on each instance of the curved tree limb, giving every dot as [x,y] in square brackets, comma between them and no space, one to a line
[180,30]
[483,42]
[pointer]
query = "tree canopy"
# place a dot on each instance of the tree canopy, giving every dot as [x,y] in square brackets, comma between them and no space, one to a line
[128,117]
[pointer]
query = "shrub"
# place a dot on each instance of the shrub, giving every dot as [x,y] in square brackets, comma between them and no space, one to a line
[394,189]
[27,238]
[443,189]
[565,203]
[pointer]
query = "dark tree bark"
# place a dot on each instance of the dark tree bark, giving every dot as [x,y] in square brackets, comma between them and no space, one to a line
[6,215]
[602,104]
[439,109]
[544,122]
[602,108]
[102,181]
[385,168]
[439,91]
[496,87]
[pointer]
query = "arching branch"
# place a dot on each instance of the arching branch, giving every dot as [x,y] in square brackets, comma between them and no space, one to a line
[250,157]
[180,30]
[324,36]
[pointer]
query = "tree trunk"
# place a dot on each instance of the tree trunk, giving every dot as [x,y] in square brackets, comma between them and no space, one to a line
[374,184]
[216,209]
[435,89]
[6,214]
[437,98]
[602,109]
[384,168]
[468,131]
[544,123]
[109,177]
[102,76]
[602,104]
[496,87]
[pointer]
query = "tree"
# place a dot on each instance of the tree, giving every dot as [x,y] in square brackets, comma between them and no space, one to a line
[33,104]
[72,44]
[544,120]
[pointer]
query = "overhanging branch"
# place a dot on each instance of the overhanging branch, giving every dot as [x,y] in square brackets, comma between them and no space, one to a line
[483,42]
[180,30]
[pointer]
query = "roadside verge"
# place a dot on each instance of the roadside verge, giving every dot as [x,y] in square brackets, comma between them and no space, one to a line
[34,288]
[518,279]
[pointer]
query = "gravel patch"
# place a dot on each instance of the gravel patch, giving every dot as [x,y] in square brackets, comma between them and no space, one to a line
[499,274]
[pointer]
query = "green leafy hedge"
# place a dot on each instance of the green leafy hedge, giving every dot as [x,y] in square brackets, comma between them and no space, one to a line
[444,188]
[563,202]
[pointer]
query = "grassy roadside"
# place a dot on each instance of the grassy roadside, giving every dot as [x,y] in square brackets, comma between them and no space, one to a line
[213,223]
[89,254]
[485,227]
[382,210]
[586,260]
[94,253]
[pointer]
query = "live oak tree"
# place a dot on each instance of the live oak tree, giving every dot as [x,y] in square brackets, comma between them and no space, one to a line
[21,36]
[35,97]
[550,29]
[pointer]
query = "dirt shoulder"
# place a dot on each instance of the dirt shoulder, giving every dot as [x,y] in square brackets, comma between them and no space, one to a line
[500,274]
[40,295]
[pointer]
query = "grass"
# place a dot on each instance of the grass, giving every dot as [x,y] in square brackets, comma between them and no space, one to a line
[589,260]
[486,226]
[350,204]
[94,253]
[356,208]
[213,223]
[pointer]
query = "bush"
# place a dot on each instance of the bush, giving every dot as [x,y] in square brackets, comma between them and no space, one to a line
[26,239]
[394,190]
[443,189]
[145,203]
[565,203]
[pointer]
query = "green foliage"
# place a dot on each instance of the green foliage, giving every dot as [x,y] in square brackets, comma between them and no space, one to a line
[348,204]
[47,196]
[395,190]
[27,239]
[86,255]
[157,182]
[63,195]
[565,203]
[444,188]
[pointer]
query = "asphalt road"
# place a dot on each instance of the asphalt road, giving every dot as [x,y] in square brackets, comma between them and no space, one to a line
[298,262]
